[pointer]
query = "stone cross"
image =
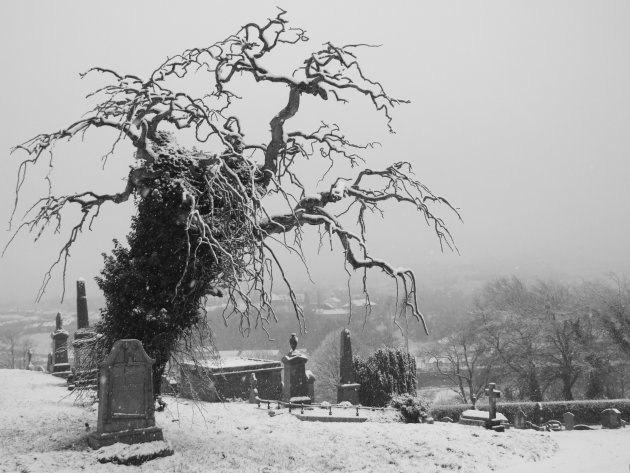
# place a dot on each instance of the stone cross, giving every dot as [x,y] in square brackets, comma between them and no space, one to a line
[82,308]
[493,395]
[126,407]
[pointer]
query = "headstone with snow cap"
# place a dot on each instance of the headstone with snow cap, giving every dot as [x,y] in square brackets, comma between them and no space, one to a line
[126,407]
[347,389]
[611,419]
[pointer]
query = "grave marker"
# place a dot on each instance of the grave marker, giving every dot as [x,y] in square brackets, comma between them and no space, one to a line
[126,407]
[347,389]
[493,395]
[538,417]
[59,357]
[568,419]
[520,419]
[611,419]
[84,344]
[297,382]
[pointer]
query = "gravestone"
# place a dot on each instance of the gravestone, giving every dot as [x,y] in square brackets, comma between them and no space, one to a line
[568,419]
[347,389]
[520,419]
[297,383]
[29,357]
[473,401]
[59,355]
[493,394]
[253,391]
[611,419]
[538,414]
[84,344]
[82,308]
[126,408]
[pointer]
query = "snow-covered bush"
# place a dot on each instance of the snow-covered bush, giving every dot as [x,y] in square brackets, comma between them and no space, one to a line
[412,408]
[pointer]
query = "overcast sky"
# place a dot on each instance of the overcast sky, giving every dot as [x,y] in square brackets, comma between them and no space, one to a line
[519,115]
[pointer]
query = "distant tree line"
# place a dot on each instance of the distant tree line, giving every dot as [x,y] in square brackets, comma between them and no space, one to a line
[541,341]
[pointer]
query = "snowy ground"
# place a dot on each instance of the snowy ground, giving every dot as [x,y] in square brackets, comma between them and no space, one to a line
[42,431]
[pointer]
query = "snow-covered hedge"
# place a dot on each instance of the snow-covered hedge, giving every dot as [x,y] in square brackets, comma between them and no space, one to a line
[586,412]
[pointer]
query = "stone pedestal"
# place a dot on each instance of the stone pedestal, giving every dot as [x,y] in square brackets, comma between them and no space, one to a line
[348,392]
[294,379]
[126,407]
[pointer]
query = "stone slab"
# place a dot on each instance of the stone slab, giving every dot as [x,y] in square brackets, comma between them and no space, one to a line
[124,454]
[61,374]
[474,414]
[148,434]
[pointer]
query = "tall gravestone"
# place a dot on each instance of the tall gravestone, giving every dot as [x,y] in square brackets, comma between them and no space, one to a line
[347,389]
[126,410]
[59,355]
[85,364]
[297,381]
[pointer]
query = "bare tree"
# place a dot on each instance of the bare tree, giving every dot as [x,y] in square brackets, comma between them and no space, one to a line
[10,341]
[466,359]
[611,304]
[508,313]
[203,225]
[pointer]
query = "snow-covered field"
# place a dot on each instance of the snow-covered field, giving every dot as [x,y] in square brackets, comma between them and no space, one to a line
[41,430]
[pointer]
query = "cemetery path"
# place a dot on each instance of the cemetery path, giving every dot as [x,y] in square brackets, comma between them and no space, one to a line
[583,452]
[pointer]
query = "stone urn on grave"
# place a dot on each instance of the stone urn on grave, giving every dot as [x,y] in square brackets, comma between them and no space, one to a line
[297,382]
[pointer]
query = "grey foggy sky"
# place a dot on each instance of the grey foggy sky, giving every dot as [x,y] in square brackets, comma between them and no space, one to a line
[520,116]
